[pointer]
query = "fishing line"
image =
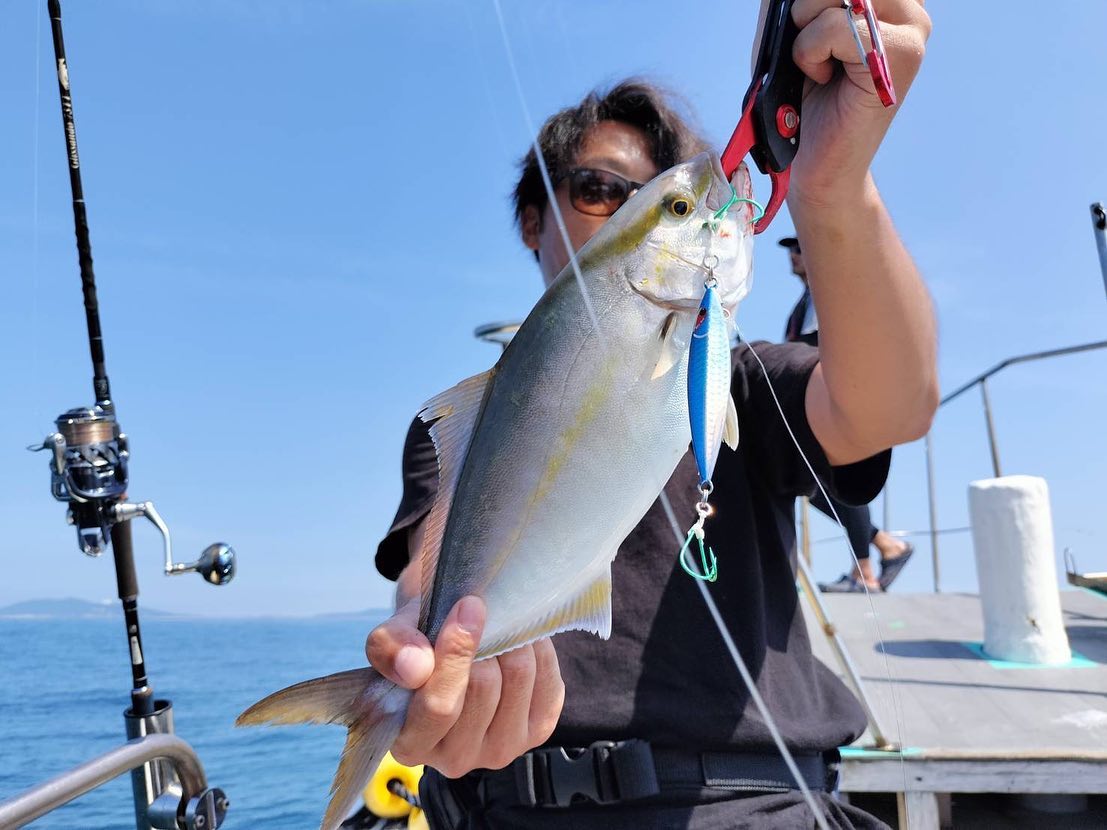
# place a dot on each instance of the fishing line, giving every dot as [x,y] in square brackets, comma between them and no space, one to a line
[723,632]
[546,181]
[484,76]
[710,573]
[720,624]
[747,678]
[34,198]
[897,711]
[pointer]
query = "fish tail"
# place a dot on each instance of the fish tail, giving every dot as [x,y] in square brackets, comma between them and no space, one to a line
[371,708]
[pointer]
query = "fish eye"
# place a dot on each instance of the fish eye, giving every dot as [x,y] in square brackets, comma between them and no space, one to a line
[679,205]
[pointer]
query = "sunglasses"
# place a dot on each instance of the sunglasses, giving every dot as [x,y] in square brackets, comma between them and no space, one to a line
[598,192]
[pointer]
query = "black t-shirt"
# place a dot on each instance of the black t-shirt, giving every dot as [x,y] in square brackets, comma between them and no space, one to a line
[665,674]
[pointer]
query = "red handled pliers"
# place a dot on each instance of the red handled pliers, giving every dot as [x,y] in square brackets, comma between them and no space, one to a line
[769,129]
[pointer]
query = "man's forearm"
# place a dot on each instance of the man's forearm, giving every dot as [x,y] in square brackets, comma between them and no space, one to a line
[877,339]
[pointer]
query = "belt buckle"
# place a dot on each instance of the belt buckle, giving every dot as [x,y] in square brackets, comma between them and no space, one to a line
[587,774]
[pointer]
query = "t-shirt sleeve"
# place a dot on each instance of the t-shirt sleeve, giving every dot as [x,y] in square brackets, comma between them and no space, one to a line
[420,479]
[789,367]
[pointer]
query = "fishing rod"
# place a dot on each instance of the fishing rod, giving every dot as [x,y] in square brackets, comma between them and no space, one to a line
[89,472]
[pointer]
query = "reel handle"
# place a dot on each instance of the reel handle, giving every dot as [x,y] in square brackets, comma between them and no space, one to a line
[216,564]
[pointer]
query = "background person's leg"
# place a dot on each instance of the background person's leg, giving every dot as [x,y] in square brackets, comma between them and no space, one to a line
[858,525]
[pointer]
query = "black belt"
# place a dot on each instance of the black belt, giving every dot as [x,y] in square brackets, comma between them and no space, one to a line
[609,771]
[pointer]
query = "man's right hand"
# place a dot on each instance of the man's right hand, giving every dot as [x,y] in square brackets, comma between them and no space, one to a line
[466,715]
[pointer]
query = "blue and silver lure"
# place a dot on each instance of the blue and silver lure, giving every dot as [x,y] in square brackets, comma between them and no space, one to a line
[709,401]
[711,411]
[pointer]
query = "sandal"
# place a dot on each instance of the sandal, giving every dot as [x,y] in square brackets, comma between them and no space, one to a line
[890,568]
[846,584]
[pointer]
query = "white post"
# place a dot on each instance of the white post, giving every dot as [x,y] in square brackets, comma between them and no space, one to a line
[1012,534]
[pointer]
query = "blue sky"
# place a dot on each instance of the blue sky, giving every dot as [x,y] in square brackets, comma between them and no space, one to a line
[299,213]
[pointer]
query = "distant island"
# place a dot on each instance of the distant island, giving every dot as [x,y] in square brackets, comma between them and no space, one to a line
[72,609]
[367,613]
[81,609]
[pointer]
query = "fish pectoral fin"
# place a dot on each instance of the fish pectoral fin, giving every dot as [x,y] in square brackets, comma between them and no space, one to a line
[670,351]
[452,416]
[588,610]
[730,428]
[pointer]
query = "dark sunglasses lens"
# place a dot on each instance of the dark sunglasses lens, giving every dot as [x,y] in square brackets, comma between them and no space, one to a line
[597,192]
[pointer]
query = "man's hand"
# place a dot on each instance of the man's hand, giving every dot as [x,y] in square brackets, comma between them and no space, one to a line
[466,715]
[843,119]
[876,384]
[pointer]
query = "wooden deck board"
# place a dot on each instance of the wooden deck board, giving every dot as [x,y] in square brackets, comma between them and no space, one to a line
[950,698]
[967,725]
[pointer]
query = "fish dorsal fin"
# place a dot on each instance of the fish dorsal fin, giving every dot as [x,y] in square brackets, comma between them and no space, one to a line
[452,416]
[588,610]
[670,351]
[730,428]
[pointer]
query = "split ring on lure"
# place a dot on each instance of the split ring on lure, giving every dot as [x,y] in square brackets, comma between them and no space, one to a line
[710,409]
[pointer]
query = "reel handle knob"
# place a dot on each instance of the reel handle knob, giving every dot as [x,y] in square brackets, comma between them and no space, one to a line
[216,564]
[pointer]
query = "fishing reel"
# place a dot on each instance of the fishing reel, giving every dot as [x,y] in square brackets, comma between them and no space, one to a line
[88,470]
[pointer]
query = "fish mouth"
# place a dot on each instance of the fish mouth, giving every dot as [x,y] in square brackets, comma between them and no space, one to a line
[720,190]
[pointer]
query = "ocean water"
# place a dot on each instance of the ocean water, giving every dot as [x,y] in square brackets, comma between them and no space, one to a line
[65,683]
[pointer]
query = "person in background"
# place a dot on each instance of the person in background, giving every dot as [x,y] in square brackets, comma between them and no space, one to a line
[803,327]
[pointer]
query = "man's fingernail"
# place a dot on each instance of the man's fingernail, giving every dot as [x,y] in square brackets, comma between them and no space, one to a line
[469,614]
[408,663]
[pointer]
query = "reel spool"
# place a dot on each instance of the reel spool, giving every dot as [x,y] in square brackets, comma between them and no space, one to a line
[89,471]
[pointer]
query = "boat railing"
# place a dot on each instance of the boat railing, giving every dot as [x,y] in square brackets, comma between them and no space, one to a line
[191,806]
[980,380]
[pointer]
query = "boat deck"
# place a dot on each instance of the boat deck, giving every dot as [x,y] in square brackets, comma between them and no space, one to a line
[968,724]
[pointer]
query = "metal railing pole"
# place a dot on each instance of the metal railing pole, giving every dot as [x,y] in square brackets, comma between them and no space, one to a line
[991,428]
[805,529]
[886,508]
[26,807]
[813,595]
[1099,228]
[933,509]
[1022,358]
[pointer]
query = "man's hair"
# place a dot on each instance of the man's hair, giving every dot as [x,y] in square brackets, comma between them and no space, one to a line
[635,102]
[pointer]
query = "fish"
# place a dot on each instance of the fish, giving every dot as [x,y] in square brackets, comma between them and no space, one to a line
[549,459]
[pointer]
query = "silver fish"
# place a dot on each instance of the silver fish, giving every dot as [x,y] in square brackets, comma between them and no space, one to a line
[548,460]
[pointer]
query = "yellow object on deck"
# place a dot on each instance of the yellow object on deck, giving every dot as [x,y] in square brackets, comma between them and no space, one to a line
[385,803]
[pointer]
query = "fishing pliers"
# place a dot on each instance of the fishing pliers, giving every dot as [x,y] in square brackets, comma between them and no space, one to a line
[769,129]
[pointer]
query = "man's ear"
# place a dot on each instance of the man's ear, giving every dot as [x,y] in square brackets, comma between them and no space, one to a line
[531,227]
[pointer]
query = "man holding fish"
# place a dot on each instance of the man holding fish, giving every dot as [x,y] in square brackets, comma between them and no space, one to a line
[520,485]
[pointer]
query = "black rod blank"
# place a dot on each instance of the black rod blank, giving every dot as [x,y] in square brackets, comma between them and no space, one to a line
[100,383]
[127,580]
